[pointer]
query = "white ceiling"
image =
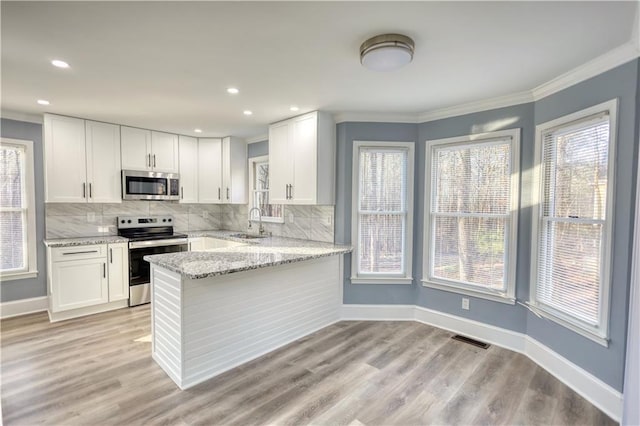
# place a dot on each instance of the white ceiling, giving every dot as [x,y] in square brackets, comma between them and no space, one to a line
[167,65]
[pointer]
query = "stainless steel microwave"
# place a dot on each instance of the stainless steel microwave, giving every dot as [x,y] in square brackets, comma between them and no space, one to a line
[137,185]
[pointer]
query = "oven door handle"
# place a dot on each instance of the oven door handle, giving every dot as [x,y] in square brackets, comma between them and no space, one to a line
[157,243]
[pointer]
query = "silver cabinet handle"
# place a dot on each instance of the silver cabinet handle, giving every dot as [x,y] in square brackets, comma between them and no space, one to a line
[227,193]
[90,192]
[286,191]
[104,270]
[189,246]
[154,160]
[219,196]
[79,252]
[182,192]
[291,191]
[148,160]
[84,190]
[110,255]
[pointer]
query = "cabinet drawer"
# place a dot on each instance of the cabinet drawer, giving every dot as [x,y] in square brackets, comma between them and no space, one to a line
[60,254]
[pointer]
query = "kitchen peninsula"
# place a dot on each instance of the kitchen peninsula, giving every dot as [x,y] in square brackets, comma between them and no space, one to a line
[217,308]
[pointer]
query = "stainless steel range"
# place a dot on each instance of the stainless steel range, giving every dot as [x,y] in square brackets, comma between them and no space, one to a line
[147,235]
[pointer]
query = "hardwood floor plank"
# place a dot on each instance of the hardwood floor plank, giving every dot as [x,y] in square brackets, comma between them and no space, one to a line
[92,371]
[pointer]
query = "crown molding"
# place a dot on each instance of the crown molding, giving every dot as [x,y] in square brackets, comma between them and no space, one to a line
[379,117]
[477,106]
[613,58]
[21,116]
[259,138]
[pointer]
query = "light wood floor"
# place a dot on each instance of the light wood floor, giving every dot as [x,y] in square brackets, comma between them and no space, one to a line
[92,371]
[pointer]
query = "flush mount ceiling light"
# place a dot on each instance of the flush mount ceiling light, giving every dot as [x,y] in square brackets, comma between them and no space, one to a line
[386,52]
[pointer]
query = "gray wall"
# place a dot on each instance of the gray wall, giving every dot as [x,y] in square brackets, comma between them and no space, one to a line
[621,82]
[32,287]
[258,149]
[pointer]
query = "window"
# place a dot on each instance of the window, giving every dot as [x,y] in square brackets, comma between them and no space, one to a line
[259,181]
[17,210]
[472,211]
[573,220]
[382,212]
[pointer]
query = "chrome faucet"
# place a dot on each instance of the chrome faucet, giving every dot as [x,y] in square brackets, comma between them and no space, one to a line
[260,228]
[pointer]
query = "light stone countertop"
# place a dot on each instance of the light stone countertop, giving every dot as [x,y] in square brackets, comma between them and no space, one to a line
[253,254]
[84,241]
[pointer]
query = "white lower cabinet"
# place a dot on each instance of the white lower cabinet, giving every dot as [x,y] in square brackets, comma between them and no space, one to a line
[118,267]
[87,279]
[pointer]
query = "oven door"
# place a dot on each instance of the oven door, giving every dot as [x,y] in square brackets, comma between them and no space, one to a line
[137,185]
[140,270]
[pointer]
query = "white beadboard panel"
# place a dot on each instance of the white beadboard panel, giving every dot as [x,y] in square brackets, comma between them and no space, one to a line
[167,322]
[234,318]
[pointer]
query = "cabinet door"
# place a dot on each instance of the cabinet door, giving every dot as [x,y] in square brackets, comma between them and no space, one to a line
[103,163]
[118,266]
[210,171]
[303,149]
[188,156]
[234,170]
[136,148]
[64,160]
[79,283]
[164,152]
[280,165]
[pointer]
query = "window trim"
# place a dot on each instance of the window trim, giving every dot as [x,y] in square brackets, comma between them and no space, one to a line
[407,277]
[252,163]
[509,296]
[600,333]
[32,252]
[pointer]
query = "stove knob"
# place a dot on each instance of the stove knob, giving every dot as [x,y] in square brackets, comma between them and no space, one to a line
[169,220]
[122,221]
[164,220]
[129,221]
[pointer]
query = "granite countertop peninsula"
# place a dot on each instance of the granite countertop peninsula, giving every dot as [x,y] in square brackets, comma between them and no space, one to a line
[252,254]
[84,241]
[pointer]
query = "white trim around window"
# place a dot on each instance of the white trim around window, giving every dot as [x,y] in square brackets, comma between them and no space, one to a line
[404,274]
[598,332]
[506,292]
[29,233]
[253,161]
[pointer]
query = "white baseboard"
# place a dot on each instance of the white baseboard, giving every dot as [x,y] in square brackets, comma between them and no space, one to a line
[584,383]
[23,307]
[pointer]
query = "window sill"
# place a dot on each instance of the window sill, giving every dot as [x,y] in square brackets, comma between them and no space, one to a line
[540,311]
[469,292]
[269,220]
[18,276]
[381,280]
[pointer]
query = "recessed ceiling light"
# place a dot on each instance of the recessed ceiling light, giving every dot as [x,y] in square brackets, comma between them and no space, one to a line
[43,102]
[294,108]
[233,90]
[60,64]
[247,112]
[197,130]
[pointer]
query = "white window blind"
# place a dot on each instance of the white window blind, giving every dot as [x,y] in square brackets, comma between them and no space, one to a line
[13,209]
[384,191]
[573,218]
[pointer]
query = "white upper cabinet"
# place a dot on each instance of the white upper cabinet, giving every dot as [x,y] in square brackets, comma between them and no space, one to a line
[188,155]
[136,148]
[164,152]
[234,170]
[65,160]
[149,150]
[302,160]
[210,171]
[82,161]
[103,162]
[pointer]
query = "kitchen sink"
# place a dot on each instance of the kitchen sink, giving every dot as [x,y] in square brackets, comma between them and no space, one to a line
[248,236]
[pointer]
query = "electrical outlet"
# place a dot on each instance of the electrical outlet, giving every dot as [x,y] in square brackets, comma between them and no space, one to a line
[290,218]
[465,303]
[91,217]
[328,220]
[205,214]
